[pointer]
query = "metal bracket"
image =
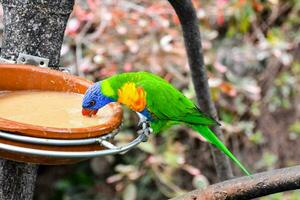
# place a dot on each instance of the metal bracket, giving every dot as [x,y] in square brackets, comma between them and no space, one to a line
[32,60]
[65,69]
[143,135]
[72,154]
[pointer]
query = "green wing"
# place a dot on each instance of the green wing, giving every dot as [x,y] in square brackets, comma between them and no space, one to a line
[167,103]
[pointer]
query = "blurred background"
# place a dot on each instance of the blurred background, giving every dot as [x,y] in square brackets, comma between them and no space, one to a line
[252,54]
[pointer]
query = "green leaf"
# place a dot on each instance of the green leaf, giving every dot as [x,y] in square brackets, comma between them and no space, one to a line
[63,184]
[226,116]
[130,192]
[257,137]
[200,181]
[295,127]
[268,160]
[147,147]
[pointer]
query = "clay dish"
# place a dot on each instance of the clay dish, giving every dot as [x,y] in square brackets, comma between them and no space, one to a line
[26,77]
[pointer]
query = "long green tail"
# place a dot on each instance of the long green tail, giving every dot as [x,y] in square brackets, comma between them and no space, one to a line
[212,138]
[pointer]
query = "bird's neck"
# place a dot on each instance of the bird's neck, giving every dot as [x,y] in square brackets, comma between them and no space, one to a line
[147,114]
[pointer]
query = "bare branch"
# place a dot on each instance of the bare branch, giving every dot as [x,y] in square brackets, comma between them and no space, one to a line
[189,22]
[257,185]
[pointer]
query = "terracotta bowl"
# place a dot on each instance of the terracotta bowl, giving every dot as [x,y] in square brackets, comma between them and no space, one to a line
[25,77]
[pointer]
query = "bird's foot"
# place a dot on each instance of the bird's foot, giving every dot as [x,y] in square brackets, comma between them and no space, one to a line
[145,129]
[144,126]
[142,119]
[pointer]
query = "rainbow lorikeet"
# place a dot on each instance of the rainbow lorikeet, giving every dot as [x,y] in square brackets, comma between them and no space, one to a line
[157,100]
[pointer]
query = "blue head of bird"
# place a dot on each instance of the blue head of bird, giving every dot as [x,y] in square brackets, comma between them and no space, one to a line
[93,100]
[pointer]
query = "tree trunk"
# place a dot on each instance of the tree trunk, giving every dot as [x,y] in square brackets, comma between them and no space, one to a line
[189,22]
[17,180]
[34,27]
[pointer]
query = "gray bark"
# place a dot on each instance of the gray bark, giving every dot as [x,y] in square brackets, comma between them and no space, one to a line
[191,33]
[249,187]
[17,180]
[34,27]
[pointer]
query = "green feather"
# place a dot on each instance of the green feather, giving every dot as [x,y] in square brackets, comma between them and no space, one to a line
[212,138]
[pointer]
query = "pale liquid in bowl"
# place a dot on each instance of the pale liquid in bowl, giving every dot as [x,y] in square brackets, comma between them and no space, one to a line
[49,109]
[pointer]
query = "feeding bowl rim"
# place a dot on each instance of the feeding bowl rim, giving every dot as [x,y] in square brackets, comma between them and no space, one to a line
[28,77]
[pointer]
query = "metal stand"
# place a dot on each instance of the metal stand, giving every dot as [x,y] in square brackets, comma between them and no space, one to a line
[143,135]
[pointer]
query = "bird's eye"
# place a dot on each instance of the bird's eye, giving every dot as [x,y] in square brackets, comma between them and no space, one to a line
[92,103]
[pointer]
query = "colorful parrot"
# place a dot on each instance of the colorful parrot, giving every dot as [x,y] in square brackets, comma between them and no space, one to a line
[157,100]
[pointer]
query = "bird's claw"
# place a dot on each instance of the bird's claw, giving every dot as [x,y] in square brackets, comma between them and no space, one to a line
[144,126]
[142,119]
[145,129]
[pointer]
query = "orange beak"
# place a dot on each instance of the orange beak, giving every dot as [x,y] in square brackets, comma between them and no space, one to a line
[88,112]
